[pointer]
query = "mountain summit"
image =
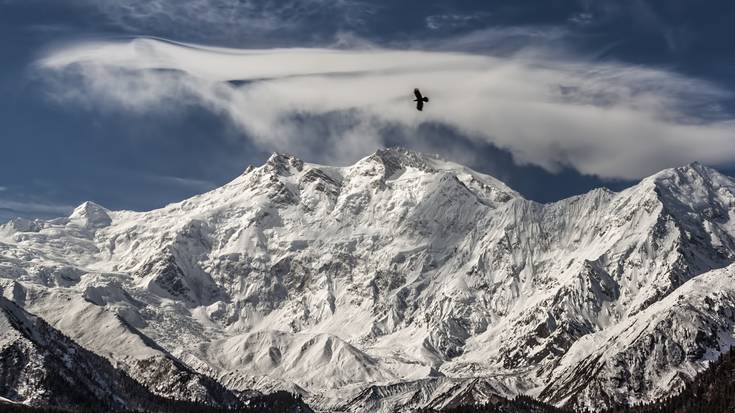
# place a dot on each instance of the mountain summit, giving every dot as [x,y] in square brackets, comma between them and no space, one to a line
[399,282]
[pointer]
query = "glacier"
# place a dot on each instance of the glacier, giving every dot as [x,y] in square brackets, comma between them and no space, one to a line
[402,281]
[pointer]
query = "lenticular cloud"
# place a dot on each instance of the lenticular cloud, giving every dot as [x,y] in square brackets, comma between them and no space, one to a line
[605,119]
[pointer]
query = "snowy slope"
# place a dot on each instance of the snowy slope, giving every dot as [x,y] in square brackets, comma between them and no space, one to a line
[42,367]
[403,273]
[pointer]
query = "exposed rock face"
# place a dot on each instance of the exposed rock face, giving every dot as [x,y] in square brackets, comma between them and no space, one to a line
[40,366]
[400,269]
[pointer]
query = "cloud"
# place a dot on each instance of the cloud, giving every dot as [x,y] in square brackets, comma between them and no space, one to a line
[188,183]
[454,20]
[607,119]
[3,188]
[582,18]
[666,20]
[228,20]
[32,208]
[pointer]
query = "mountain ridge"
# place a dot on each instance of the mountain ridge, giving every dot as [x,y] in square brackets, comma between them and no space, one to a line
[402,268]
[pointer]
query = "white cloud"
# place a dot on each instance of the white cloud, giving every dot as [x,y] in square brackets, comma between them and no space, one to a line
[196,184]
[28,208]
[607,119]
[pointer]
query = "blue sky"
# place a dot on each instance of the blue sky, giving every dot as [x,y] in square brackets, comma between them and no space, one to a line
[554,97]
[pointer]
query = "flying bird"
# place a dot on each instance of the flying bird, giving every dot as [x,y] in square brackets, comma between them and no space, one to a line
[420,99]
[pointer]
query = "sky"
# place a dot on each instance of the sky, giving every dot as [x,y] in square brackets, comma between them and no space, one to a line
[134,104]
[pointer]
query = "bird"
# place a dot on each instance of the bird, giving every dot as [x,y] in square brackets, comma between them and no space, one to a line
[420,99]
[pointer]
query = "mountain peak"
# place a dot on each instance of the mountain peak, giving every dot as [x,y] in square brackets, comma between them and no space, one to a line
[394,159]
[392,162]
[399,157]
[299,268]
[283,163]
[90,214]
[692,168]
[693,175]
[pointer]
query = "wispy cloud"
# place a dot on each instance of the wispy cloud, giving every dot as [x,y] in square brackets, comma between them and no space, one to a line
[611,120]
[33,208]
[652,16]
[226,19]
[455,20]
[188,183]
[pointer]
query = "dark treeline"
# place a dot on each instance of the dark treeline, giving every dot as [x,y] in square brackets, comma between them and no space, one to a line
[278,402]
[712,391]
[520,404]
[74,379]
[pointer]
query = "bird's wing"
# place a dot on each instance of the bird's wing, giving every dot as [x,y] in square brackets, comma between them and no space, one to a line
[417,93]
[420,105]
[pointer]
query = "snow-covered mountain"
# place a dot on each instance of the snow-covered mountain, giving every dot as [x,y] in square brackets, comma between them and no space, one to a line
[43,367]
[401,281]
